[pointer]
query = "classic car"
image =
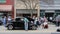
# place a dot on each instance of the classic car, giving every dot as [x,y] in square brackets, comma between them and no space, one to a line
[19,23]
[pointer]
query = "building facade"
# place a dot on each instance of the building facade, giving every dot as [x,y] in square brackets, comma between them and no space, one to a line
[21,10]
[7,8]
[50,8]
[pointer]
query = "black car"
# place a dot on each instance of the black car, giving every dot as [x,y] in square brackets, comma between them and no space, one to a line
[18,23]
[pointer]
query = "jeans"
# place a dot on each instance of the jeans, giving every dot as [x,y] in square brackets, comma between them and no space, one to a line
[26,26]
[4,23]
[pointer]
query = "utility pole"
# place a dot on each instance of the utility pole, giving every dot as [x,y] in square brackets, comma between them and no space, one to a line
[38,13]
[14,8]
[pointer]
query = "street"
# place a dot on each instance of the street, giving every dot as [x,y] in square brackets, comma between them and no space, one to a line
[52,29]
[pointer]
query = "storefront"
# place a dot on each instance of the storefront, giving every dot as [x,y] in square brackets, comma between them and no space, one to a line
[50,8]
[5,10]
[49,13]
[25,12]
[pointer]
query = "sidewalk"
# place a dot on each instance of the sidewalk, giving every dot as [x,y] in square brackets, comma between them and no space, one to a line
[52,28]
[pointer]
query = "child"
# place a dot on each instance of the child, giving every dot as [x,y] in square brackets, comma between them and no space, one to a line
[45,25]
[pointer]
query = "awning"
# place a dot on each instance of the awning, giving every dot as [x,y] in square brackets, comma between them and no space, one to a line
[5,7]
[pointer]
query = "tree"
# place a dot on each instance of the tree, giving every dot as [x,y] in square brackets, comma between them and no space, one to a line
[30,4]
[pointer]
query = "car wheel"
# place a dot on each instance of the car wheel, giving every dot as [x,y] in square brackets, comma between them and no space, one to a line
[58,30]
[34,27]
[10,27]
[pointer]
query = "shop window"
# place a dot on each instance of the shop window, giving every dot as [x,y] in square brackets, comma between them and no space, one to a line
[42,13]
[57,12]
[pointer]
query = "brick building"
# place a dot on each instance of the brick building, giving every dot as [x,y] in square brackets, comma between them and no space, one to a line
[7,7]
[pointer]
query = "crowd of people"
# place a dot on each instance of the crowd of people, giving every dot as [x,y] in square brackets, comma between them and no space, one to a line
[37,21]
[6,19]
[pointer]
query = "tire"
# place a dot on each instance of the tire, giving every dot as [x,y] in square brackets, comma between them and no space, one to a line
[34,28]
[58,30]
[10,27]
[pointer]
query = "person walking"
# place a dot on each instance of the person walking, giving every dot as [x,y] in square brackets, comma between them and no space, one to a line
[26,23]
[33,17]
[9,19]
[4,20]
[50,19]
[35,21]
[45,19]
[45,24]
[39,21]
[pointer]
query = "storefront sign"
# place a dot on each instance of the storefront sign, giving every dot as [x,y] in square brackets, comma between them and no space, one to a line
[2,1]
[5,7]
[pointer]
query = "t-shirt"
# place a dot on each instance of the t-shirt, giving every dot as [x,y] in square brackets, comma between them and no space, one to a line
[45,23]
[50,18]
[9,19]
